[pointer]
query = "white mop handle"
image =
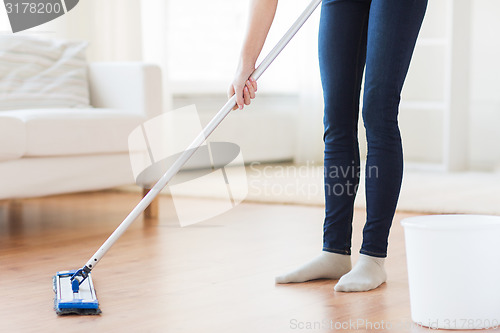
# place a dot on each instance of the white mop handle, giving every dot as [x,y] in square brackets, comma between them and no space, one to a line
[198,141]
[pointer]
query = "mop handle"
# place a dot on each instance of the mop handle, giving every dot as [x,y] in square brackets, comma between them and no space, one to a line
[198,141]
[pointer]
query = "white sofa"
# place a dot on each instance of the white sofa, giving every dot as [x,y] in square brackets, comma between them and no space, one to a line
[53,151]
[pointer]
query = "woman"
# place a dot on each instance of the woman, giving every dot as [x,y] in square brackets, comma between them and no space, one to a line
[378,36]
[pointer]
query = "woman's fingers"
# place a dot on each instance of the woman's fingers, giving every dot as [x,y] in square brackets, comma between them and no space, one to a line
[254,83]
[248,92]
[230,93]
[246,95]
[251,89]
[240,99]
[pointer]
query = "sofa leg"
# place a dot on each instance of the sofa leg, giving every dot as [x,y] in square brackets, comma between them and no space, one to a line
[15,215]
[151,211]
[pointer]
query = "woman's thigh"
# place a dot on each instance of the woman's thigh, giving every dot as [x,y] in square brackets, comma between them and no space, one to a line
[342,49]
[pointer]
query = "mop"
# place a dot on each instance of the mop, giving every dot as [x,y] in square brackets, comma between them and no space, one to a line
[74,289]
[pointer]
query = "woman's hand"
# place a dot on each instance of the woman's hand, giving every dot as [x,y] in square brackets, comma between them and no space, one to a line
[243,86]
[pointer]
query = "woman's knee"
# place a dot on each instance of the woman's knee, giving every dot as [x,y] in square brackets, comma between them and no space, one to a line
[380,111]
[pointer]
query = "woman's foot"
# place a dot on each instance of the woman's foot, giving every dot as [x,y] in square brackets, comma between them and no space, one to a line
[327,265]
[367,274]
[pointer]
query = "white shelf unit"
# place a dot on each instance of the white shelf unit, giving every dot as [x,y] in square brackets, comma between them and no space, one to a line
[435,100]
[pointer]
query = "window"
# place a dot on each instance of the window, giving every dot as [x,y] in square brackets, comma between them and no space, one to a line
[204,40]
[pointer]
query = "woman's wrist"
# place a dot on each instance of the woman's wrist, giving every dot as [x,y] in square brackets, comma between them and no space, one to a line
[246,62]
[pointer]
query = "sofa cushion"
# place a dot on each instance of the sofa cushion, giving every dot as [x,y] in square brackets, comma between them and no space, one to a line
[12,137]
[57,132]
[42,73]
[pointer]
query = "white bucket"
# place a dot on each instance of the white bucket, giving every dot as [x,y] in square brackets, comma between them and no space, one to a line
[454,270]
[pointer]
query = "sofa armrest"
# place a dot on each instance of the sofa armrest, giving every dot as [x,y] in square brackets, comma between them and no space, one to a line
[131,86]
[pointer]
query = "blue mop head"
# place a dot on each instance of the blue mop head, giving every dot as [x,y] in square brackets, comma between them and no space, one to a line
[72,297]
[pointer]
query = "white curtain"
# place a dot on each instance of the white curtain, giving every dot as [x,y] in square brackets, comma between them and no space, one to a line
[112,28]
[154,30]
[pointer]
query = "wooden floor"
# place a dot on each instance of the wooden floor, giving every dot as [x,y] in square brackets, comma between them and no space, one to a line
[215,276]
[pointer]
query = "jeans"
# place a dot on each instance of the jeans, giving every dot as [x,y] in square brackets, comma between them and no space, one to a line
[378,36]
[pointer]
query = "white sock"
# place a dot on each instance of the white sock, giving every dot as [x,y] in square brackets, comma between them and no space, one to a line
[367,274]
[327,265]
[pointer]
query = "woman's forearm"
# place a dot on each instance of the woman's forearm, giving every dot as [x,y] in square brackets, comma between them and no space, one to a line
[260,20]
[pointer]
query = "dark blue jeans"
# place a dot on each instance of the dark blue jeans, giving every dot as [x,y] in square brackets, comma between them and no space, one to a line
[379,35]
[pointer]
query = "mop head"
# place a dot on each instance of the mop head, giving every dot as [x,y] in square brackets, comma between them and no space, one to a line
[81,302]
